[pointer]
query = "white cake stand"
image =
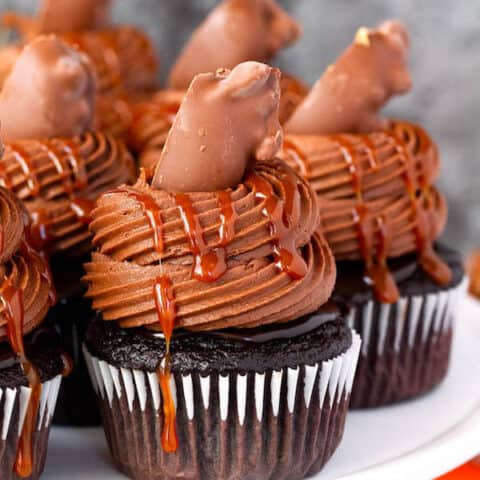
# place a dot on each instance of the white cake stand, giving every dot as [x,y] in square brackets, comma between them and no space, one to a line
[417,440]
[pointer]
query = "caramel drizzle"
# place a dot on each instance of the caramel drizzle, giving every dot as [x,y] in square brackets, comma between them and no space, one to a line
[281,213]
[166,312]
[376,269]
[377,272]
[40,235]
[430,262]
[12,299]
[152,212]
[298,156]
[209,263]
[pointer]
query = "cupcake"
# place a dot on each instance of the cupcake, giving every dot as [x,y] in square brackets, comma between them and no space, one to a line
[381,215]
[216,353]
[123,57]
[31,359]
[57,165]
[247,30]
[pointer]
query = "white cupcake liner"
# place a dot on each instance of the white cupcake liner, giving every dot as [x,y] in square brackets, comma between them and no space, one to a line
[18,398]
[13,408]
[402,341]
[235,414]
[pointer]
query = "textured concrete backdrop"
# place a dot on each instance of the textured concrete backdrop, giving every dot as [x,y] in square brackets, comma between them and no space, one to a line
[445,64]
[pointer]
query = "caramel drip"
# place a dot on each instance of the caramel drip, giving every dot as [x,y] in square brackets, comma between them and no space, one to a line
[281,215]
[166,311]
[376,269]
[209,263]
[298,156]
[38,232]
[153,213]
[58,160]
[23,160]
[431,263]
[82,207]
[228,217]
[61,159]
[12,298]
[4,178]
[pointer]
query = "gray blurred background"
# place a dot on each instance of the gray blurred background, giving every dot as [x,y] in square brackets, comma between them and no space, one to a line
[445,63]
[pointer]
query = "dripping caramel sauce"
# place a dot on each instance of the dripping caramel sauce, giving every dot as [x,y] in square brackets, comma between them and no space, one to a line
[62,158]
[376,269]
[12,299]
[153,213]
[430,262]
[377,272]
[280,214]
[166,312]
[210,262]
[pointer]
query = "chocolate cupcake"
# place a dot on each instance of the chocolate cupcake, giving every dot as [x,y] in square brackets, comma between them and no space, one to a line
[216,355]
[58,165]
[261,29]
[381,215]
[123,57]
[31,358]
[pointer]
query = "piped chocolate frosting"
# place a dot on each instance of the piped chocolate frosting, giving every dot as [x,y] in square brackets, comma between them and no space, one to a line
[351,92]
[244,29]
[376,189]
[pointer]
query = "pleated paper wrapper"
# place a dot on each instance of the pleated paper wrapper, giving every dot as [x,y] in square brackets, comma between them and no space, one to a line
[405,346]
[259,425]
[13,408]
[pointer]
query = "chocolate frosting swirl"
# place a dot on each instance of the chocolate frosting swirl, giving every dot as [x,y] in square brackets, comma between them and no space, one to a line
[121,55]
[59,179]
[251,291]
[22,271]
[376,193]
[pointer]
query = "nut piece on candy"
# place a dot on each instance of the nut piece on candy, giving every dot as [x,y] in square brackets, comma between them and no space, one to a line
[50,92]
[349,95]
[226,121]
[236,31]
[59,16]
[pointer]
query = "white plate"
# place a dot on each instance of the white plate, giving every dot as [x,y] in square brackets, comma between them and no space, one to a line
[417,440]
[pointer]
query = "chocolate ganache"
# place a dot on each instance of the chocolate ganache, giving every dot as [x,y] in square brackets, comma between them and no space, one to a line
[376,189]
[53,161]
[223,236]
